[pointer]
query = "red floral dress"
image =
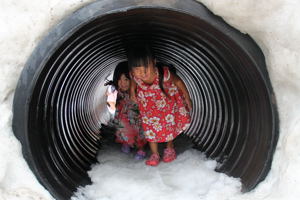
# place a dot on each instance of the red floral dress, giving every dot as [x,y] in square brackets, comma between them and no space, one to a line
[128,122]
[163,118]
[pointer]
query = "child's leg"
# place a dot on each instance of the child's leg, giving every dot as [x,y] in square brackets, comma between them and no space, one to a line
[153,147]
[125,148]
[170,144]
[154,158]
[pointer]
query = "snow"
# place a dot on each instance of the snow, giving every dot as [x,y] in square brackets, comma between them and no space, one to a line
[191,176]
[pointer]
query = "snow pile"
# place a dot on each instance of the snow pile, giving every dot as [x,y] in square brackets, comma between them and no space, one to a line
[190,176]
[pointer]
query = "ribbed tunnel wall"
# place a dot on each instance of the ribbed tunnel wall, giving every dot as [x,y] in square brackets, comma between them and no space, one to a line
[59,102]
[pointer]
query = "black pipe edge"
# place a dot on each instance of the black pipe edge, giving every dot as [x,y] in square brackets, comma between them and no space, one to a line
[58,101]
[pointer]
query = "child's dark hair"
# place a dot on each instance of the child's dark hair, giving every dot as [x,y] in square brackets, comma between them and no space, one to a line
[141,55]
[121,68]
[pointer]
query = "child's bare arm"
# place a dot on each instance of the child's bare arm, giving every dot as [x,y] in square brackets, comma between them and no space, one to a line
[180,84]
[133,90]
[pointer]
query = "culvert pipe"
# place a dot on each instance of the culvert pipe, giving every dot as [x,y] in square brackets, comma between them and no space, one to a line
[59,102]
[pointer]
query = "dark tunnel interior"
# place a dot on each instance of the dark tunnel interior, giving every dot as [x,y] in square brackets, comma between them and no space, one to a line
[59,102]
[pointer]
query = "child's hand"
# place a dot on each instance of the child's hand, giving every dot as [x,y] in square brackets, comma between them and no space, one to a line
[133,91]
[189,104]
[133,98]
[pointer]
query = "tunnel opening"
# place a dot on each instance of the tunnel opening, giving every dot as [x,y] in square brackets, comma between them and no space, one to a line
[60,102]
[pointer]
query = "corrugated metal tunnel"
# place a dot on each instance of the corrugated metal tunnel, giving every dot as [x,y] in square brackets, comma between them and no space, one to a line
[59,102]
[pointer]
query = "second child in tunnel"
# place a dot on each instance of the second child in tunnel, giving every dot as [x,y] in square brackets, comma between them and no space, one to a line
[127,120]
[163,99]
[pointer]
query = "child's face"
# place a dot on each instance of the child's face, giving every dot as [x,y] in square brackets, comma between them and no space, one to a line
[123,83]
[144,73]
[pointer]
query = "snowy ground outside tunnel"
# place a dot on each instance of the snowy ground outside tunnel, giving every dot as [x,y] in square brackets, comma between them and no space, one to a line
[273,24]
[191,176]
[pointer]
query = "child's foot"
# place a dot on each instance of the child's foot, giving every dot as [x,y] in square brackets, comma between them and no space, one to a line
[125,148]
[153,160]
[140,155]
[169,155]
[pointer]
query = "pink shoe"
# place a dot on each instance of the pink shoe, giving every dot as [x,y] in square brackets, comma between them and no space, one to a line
[140,155]
[153,160]
[169,155]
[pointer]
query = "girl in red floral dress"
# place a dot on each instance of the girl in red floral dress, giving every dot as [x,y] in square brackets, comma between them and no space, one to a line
[163,100]
[128,123]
